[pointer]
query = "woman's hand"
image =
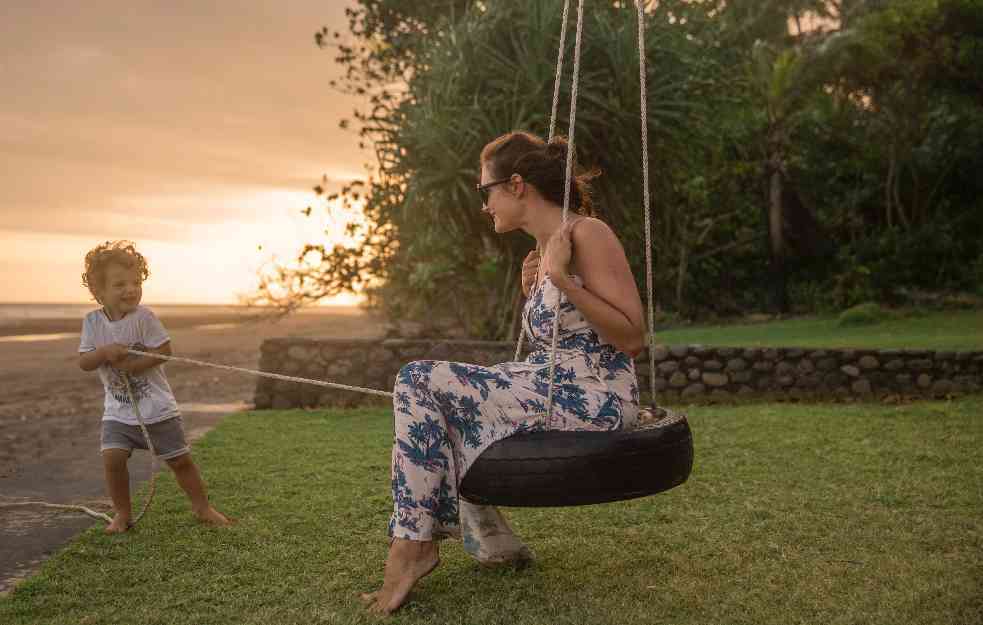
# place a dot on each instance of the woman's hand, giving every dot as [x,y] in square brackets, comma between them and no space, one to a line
[530,271]
[559,250]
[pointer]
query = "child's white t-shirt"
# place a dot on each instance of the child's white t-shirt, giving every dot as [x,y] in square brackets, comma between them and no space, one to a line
[153,394]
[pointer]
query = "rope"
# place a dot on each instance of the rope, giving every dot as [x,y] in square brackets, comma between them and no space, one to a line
[556,104]
[153,452]
[642,82]
[44,504]
[566,196]
[559,68]
[266,374]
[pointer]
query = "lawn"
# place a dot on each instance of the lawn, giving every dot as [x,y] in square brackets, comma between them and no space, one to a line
[793,514]
[950,330]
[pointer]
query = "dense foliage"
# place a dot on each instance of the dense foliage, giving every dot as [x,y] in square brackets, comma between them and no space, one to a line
[805,155]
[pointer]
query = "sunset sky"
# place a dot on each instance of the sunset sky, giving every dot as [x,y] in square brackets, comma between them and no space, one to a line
[196,129]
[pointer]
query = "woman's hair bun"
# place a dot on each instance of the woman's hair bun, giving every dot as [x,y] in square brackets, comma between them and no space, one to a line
[557,147]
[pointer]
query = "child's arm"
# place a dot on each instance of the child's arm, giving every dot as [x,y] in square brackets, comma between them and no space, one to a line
[138,364]
[111,352]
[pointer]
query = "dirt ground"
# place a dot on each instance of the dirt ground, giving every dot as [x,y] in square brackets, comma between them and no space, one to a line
[50,414]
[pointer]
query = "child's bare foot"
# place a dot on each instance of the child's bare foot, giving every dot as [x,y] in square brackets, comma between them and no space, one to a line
[211,516]
[408,562]
[119,525]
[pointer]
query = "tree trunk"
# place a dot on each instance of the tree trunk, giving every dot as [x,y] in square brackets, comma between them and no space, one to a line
[776,235]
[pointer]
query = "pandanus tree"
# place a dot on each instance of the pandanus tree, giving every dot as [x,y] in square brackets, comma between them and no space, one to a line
[450,82]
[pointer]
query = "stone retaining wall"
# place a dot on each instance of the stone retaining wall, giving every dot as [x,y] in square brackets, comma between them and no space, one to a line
[693,373]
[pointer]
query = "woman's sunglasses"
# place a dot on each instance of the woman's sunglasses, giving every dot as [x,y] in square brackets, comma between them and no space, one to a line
[483,189]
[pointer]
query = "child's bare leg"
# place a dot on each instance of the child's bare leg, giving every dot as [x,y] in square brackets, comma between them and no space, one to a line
[118,484]
[189,479]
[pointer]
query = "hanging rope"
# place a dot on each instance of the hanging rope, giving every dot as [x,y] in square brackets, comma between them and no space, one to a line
[553,110]
[642,82]
[571,152]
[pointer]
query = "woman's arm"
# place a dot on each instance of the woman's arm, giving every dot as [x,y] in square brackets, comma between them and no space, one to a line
[608,299]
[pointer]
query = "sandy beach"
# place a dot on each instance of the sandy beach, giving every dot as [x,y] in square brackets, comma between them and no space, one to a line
[50,412]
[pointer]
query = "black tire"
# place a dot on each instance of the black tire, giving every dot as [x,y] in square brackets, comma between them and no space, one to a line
[547,469]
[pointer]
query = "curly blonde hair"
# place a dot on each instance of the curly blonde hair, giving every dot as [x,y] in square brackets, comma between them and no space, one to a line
[122,253]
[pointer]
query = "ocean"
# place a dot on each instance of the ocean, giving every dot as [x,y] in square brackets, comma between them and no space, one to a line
[30,323]
[11,314]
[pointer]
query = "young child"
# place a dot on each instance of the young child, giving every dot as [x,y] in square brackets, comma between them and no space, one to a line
[114,274]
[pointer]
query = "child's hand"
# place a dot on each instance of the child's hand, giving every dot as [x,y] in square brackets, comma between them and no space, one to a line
[115,353]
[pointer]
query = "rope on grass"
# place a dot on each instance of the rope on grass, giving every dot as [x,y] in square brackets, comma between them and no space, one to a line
[44,504]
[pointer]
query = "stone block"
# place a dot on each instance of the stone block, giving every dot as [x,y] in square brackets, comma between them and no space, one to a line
[694,390]
[784,369]
[300,352]
[850,370]
[715,379]
[941,388]
[924,380]
[736,364]
[667,367]
[677,380]
[282,402]
[713,365]
[868,362]
[805,366]
[894,364]
[679,351]
[861,387]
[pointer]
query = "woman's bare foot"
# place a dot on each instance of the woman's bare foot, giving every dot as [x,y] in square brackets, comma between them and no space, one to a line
[408,562]
[120,524]
[211,516]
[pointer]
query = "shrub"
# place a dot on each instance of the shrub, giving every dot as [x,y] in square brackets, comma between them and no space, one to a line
[868,313]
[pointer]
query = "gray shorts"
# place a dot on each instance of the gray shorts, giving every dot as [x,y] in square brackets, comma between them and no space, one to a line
[167,435]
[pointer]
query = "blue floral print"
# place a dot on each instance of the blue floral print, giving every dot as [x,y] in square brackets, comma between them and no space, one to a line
[447,413]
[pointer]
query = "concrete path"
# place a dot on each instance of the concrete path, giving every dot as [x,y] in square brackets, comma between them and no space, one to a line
[73,474]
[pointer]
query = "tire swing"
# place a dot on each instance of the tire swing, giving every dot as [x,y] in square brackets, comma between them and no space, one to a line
[564,468]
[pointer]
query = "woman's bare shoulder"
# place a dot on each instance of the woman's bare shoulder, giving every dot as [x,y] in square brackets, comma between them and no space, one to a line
[594,233]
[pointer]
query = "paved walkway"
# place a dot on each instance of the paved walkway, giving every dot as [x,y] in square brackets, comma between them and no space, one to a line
[72,474]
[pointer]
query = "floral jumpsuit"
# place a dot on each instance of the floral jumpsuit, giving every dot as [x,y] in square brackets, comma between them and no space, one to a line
[447,413]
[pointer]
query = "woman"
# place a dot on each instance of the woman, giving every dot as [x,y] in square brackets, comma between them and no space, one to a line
[447,413]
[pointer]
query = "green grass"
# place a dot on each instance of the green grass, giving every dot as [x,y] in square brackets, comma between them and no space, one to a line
[793,514]
[955,330]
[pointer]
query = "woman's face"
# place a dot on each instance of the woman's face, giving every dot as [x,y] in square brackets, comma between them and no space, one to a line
[503,206]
